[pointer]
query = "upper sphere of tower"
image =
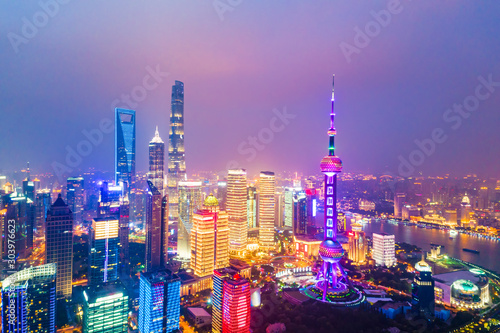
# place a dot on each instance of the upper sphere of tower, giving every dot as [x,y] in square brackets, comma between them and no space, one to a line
[331,164]
[211,201]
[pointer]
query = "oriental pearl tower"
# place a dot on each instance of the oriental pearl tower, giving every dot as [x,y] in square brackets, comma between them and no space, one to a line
[332,284]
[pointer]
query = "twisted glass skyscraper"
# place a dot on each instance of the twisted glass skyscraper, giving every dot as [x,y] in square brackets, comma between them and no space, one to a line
[176,155]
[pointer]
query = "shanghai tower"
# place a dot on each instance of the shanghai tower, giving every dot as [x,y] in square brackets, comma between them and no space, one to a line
[176,155]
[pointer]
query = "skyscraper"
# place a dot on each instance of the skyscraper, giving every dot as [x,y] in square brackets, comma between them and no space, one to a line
[222,193]
[423,290]
[267,189]
[399,200]
[237,209]
[75,197]
[252,207]
[176,153]
[105,309]
[231,302]
[43,202]
[384,250]
[59,245]
[358,245]
[17,229]
[333,285]
[209,238]
[29,300]
[300,213]
[104,251]
[125,147]
[156,230]
[156,161]
[465,210]
[189,196]
[159,302]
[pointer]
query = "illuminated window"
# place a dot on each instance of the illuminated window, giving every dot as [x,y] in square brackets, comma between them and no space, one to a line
[329,222]
[329,212]
[329,180]
[329,190]
[329,233]
[329,201]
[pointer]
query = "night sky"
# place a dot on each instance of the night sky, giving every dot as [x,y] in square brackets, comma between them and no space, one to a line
[238,64]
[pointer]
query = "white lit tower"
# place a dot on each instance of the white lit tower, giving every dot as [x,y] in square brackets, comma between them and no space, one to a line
[332,284]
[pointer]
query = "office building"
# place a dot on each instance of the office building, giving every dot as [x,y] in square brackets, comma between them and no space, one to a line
[237,209]
[465,211]
[399,201]
[209,239]
[156,230]
[358,245]
[104,251]
[423,290]
[384,249]
[176,153]
[222,193]
[105,309]
[267,190]
[252,197]
[125,148]
[18,227]
[29,300]
[190,199]
[300,216]
[43,202]
[159,302]
[59,245]
[157,161]
[231,302]
[75,197]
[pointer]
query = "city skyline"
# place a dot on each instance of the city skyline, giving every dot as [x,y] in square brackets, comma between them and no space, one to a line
[368,92]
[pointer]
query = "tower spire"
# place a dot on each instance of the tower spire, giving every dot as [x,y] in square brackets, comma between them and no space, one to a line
[28,171]
[332,131]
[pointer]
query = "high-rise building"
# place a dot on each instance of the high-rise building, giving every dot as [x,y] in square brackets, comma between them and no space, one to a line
[157,161]
[59,245]
[289,207]
[279,206]
[42,204]
[105,309]
[222,193]
[252,197]
[125,148]
[75,197]
[159,302]
[384,249]
[237,209]
[358,245]
[231,302]
[18,229]
[465,210]
[267,189]
[300,217]
[423,290]
[113,203]
[209,238]
[29,300]
[104,251]
[333,284]
[156,230]
[189,196]
[399,200]
[176,153]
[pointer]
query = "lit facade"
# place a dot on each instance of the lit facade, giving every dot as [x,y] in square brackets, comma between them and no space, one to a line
[231,302]
[358,245]
[29,300]
[159,302]
[399,201]
[59,245]
[465,211]
[176,153]
[209,239]
[156,230]
[463,289]
[125,148]
[189,196]
[75,196]
[423,290]
[104,251]
[252,196]
[237,209]
[157,161]
[384,249]
[267,190]
[105,309]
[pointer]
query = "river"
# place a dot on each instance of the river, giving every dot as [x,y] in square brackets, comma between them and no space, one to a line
[489,256]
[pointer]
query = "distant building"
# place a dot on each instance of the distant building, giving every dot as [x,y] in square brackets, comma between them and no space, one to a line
[31,293]
[267,189]
[423,290]
[465,211]
[159,302]
[125,148]
[410,211]
[366,205]
[156,230]
[189,200]
[209,239]
[450,216]
[75,197]
[59,245]
[200,317]
[384,249]
[237,209]
[231,302]
[399,200]
[252,197]
[157,161]
[222,193]
[104,251]
[105,309]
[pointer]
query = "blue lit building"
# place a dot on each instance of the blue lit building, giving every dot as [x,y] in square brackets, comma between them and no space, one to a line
[159,302]
[104,251]
[125,147]
[29,300]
